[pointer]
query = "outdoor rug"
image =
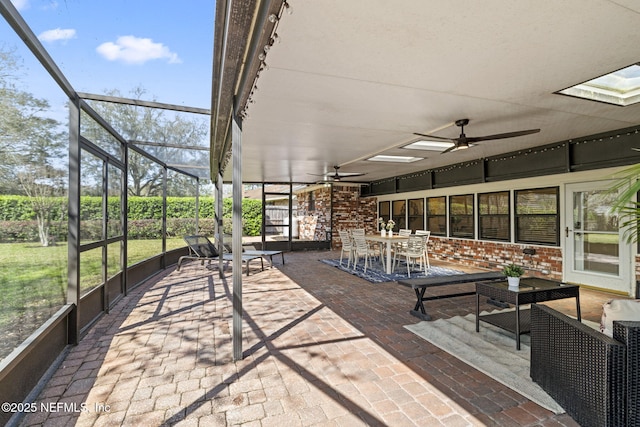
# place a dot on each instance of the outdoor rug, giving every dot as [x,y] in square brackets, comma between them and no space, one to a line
[376,274]
[492,351]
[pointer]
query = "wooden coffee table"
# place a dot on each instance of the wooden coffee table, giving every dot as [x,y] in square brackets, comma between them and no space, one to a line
[531,290]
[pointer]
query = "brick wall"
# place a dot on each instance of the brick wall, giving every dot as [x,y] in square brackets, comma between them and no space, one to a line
[546,262]
[351,211]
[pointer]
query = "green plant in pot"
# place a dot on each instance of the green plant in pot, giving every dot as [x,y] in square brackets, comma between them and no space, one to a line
[513,273]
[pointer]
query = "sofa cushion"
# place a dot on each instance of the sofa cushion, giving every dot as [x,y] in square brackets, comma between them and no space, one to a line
[618,309]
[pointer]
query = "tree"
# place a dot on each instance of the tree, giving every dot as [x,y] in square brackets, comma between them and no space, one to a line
[42,184]
[9,120]
[32,147]
[161,133]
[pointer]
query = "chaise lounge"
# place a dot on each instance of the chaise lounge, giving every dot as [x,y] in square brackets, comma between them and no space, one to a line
[202,249]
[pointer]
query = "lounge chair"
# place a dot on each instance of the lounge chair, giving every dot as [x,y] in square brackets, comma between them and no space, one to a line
[201,248]
[251,250]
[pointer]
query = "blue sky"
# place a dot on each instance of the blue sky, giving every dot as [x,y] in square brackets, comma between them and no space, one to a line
[165,47]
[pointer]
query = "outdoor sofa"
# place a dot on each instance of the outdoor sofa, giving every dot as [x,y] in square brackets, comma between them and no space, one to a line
[594,377]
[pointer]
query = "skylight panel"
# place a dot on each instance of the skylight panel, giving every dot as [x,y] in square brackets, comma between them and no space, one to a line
[398,159]
[621,87]
[429,145]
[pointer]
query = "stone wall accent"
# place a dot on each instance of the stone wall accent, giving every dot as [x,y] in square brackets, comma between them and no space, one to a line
[314,222]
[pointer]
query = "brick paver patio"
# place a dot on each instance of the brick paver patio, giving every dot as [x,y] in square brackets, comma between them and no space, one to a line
[322,347]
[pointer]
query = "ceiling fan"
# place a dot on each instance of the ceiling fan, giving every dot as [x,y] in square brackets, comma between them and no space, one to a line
[463,141]
[337,176]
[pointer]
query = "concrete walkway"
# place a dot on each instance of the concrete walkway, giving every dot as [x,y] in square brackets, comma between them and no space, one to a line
[321,347]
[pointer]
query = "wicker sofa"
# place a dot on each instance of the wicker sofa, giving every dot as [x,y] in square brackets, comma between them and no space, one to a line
[595,378]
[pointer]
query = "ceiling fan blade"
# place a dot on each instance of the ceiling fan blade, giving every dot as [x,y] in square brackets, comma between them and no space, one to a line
[502,135]
[337,177]
[349,174]
[441,138]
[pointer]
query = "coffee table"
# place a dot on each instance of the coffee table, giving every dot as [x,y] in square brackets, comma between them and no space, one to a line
[531,290]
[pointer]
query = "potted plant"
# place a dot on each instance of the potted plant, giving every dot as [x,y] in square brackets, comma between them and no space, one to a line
[390,224]
[513,273]
[381,224]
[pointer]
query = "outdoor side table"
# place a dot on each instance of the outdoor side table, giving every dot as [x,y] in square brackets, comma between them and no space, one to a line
[531,290]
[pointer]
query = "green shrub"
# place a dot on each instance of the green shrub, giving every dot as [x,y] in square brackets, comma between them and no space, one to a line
[17,218]
[20,208]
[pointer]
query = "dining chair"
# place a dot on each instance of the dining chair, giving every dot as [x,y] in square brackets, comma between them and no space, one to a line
[363,249]
[357,232]
[414,252]
[347,246]
[400,246]
[361,232]
[426,234]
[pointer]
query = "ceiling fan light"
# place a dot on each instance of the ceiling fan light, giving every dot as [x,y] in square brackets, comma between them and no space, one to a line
[461,146]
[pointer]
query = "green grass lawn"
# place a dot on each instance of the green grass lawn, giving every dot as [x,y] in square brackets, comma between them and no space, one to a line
[33,281]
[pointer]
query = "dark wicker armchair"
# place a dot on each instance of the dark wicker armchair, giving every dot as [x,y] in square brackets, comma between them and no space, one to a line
[595,378]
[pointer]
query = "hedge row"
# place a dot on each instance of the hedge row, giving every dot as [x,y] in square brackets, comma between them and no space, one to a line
[17,218]
[18,208]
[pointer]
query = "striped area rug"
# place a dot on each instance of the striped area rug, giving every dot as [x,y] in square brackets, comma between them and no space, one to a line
[492,351]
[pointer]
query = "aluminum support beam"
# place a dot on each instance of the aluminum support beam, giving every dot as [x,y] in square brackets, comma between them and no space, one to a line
[236,144]
[73,243]
[14,19]
[197,206]
[218,214]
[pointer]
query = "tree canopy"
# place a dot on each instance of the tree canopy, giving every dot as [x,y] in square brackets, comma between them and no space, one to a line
[33,159]
[163,134]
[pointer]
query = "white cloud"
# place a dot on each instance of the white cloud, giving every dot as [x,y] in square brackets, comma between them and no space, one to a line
[135,50]
[57,34]
[20,4]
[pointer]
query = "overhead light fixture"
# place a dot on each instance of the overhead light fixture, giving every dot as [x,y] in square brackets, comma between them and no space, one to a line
[461,146]
[397,159]
[429,145]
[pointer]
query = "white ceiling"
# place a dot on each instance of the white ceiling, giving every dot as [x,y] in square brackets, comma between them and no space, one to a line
[350,79]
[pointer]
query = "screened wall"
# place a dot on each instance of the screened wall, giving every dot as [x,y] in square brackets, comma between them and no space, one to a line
[88,209]
[34,188]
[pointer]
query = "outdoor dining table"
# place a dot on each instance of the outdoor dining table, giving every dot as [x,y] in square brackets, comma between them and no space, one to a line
[388,240]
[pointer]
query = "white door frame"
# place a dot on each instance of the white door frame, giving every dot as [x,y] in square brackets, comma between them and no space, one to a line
[573,270]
